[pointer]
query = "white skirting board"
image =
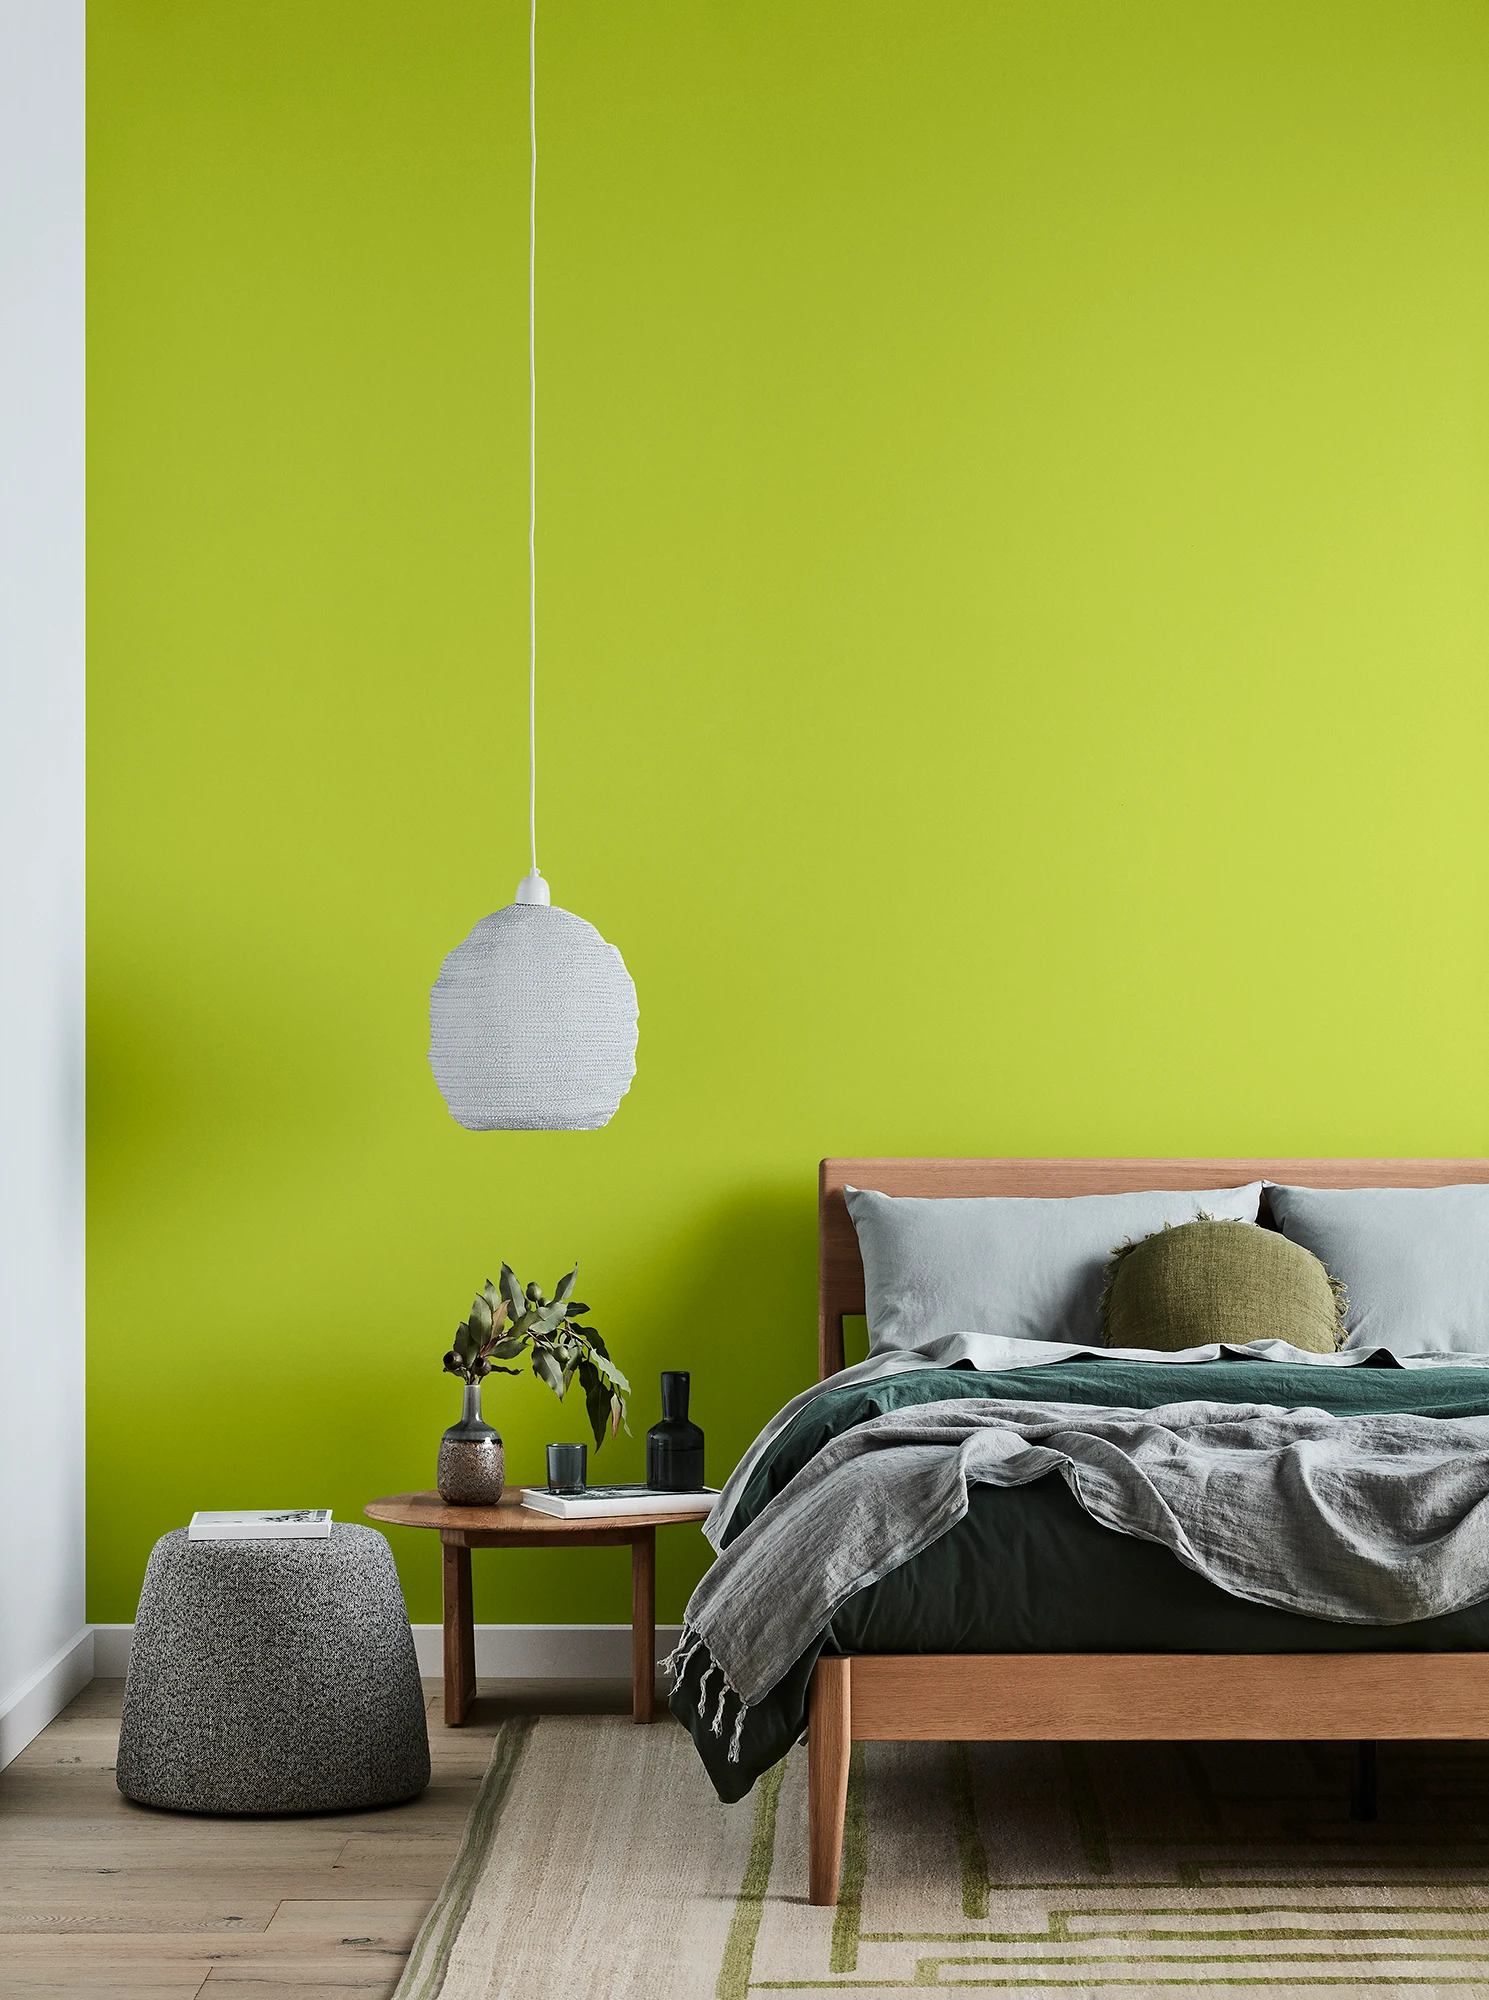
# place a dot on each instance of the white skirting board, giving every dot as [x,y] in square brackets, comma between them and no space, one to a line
[46,1693]
[508,1652]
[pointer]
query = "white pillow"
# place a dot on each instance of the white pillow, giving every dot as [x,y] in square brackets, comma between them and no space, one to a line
[1027,1268]
[1415,1261]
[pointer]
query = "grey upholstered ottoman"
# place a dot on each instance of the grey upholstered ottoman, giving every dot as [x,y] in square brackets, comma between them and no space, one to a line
[273,1677]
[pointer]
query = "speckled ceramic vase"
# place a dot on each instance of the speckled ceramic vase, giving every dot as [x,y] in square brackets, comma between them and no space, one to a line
[472,1464]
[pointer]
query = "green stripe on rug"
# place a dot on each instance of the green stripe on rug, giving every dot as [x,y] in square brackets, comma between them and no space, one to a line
[424,1973]
[744,1926]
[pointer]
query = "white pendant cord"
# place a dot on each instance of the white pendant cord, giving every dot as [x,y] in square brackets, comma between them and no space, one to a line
[532,440]
[532,888]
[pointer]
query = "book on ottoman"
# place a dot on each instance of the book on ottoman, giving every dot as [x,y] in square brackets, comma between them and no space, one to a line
[262,1524]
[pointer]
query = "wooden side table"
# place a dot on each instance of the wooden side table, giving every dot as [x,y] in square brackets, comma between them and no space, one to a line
[510,1525]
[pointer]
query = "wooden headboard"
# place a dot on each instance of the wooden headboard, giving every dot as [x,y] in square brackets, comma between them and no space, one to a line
[840,1268]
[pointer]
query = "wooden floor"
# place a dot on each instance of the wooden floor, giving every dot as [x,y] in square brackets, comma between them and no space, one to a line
[99,1897]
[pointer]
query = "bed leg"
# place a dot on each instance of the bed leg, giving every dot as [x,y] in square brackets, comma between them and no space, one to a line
[1362,1782]
[829,1740]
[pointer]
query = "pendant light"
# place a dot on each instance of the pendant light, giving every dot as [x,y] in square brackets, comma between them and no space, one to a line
[532,1021]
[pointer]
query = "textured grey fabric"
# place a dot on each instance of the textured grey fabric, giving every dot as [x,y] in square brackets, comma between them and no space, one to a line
[1415,1261]
[1022,1268]
[1374,1520]
[273,1677]
[991,1355]
[532,1024]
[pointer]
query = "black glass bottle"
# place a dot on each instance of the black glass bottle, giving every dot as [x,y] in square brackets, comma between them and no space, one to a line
[674,1447]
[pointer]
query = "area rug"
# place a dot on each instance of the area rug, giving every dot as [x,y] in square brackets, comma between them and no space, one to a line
[598,1863]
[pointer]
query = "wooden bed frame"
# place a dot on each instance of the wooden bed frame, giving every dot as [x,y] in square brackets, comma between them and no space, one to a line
[1065,1697]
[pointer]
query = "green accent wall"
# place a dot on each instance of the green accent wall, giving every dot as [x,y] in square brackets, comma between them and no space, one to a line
[1014,663]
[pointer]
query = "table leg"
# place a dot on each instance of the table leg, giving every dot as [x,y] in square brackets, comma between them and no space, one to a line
[643,1623]
[460,1635]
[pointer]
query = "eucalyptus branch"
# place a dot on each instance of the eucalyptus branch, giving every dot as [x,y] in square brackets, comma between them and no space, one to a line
[511,1319]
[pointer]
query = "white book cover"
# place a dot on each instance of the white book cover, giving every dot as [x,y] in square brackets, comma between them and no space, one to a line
[261,1524]
[597,1500]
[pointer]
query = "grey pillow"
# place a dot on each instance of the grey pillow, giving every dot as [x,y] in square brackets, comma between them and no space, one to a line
[1026,1267]
[1415,1261]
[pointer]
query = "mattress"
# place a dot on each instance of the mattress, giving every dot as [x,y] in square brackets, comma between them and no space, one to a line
[1028,1570]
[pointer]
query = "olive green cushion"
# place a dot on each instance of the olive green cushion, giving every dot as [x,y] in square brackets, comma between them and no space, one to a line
[1219,1281]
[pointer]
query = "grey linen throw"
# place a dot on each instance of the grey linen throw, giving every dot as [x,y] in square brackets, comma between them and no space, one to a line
[1372,1520]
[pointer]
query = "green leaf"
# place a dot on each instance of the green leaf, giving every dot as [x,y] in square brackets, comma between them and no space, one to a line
[491,1365]
[491,1295]
[577,1311]
[547,1368]
[466,1345]
[480,1317]
[594,1339]
[508,1349]
[597,1407]
[511,1290]
[565,1287]
[611,1374]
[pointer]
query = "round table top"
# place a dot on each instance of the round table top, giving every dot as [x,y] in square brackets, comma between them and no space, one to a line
[510,1517]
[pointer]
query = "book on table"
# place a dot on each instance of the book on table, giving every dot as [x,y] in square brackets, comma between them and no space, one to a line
[595,1501]
[261,1524]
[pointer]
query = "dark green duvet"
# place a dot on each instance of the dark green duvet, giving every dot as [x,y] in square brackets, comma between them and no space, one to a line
[1029,1571]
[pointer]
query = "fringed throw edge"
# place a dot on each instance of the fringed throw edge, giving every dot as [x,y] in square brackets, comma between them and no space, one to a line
[691,1644]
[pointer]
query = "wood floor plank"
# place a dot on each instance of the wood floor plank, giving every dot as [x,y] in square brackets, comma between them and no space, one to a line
[101,1899]
[256,1983]
[378,1920]
[234,1890]
[56,1916]
[28,1953]
[84,1985]
[395,1849]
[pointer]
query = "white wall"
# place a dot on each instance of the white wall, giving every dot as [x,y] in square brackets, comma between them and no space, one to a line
[45,1649]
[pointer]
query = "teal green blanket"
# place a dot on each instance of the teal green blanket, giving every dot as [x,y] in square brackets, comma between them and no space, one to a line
[1028,1570]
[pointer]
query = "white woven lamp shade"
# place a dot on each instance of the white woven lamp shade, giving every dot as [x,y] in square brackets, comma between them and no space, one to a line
[532,1024]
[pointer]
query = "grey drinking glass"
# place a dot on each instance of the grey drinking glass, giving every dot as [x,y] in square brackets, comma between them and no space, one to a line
[567,1465]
